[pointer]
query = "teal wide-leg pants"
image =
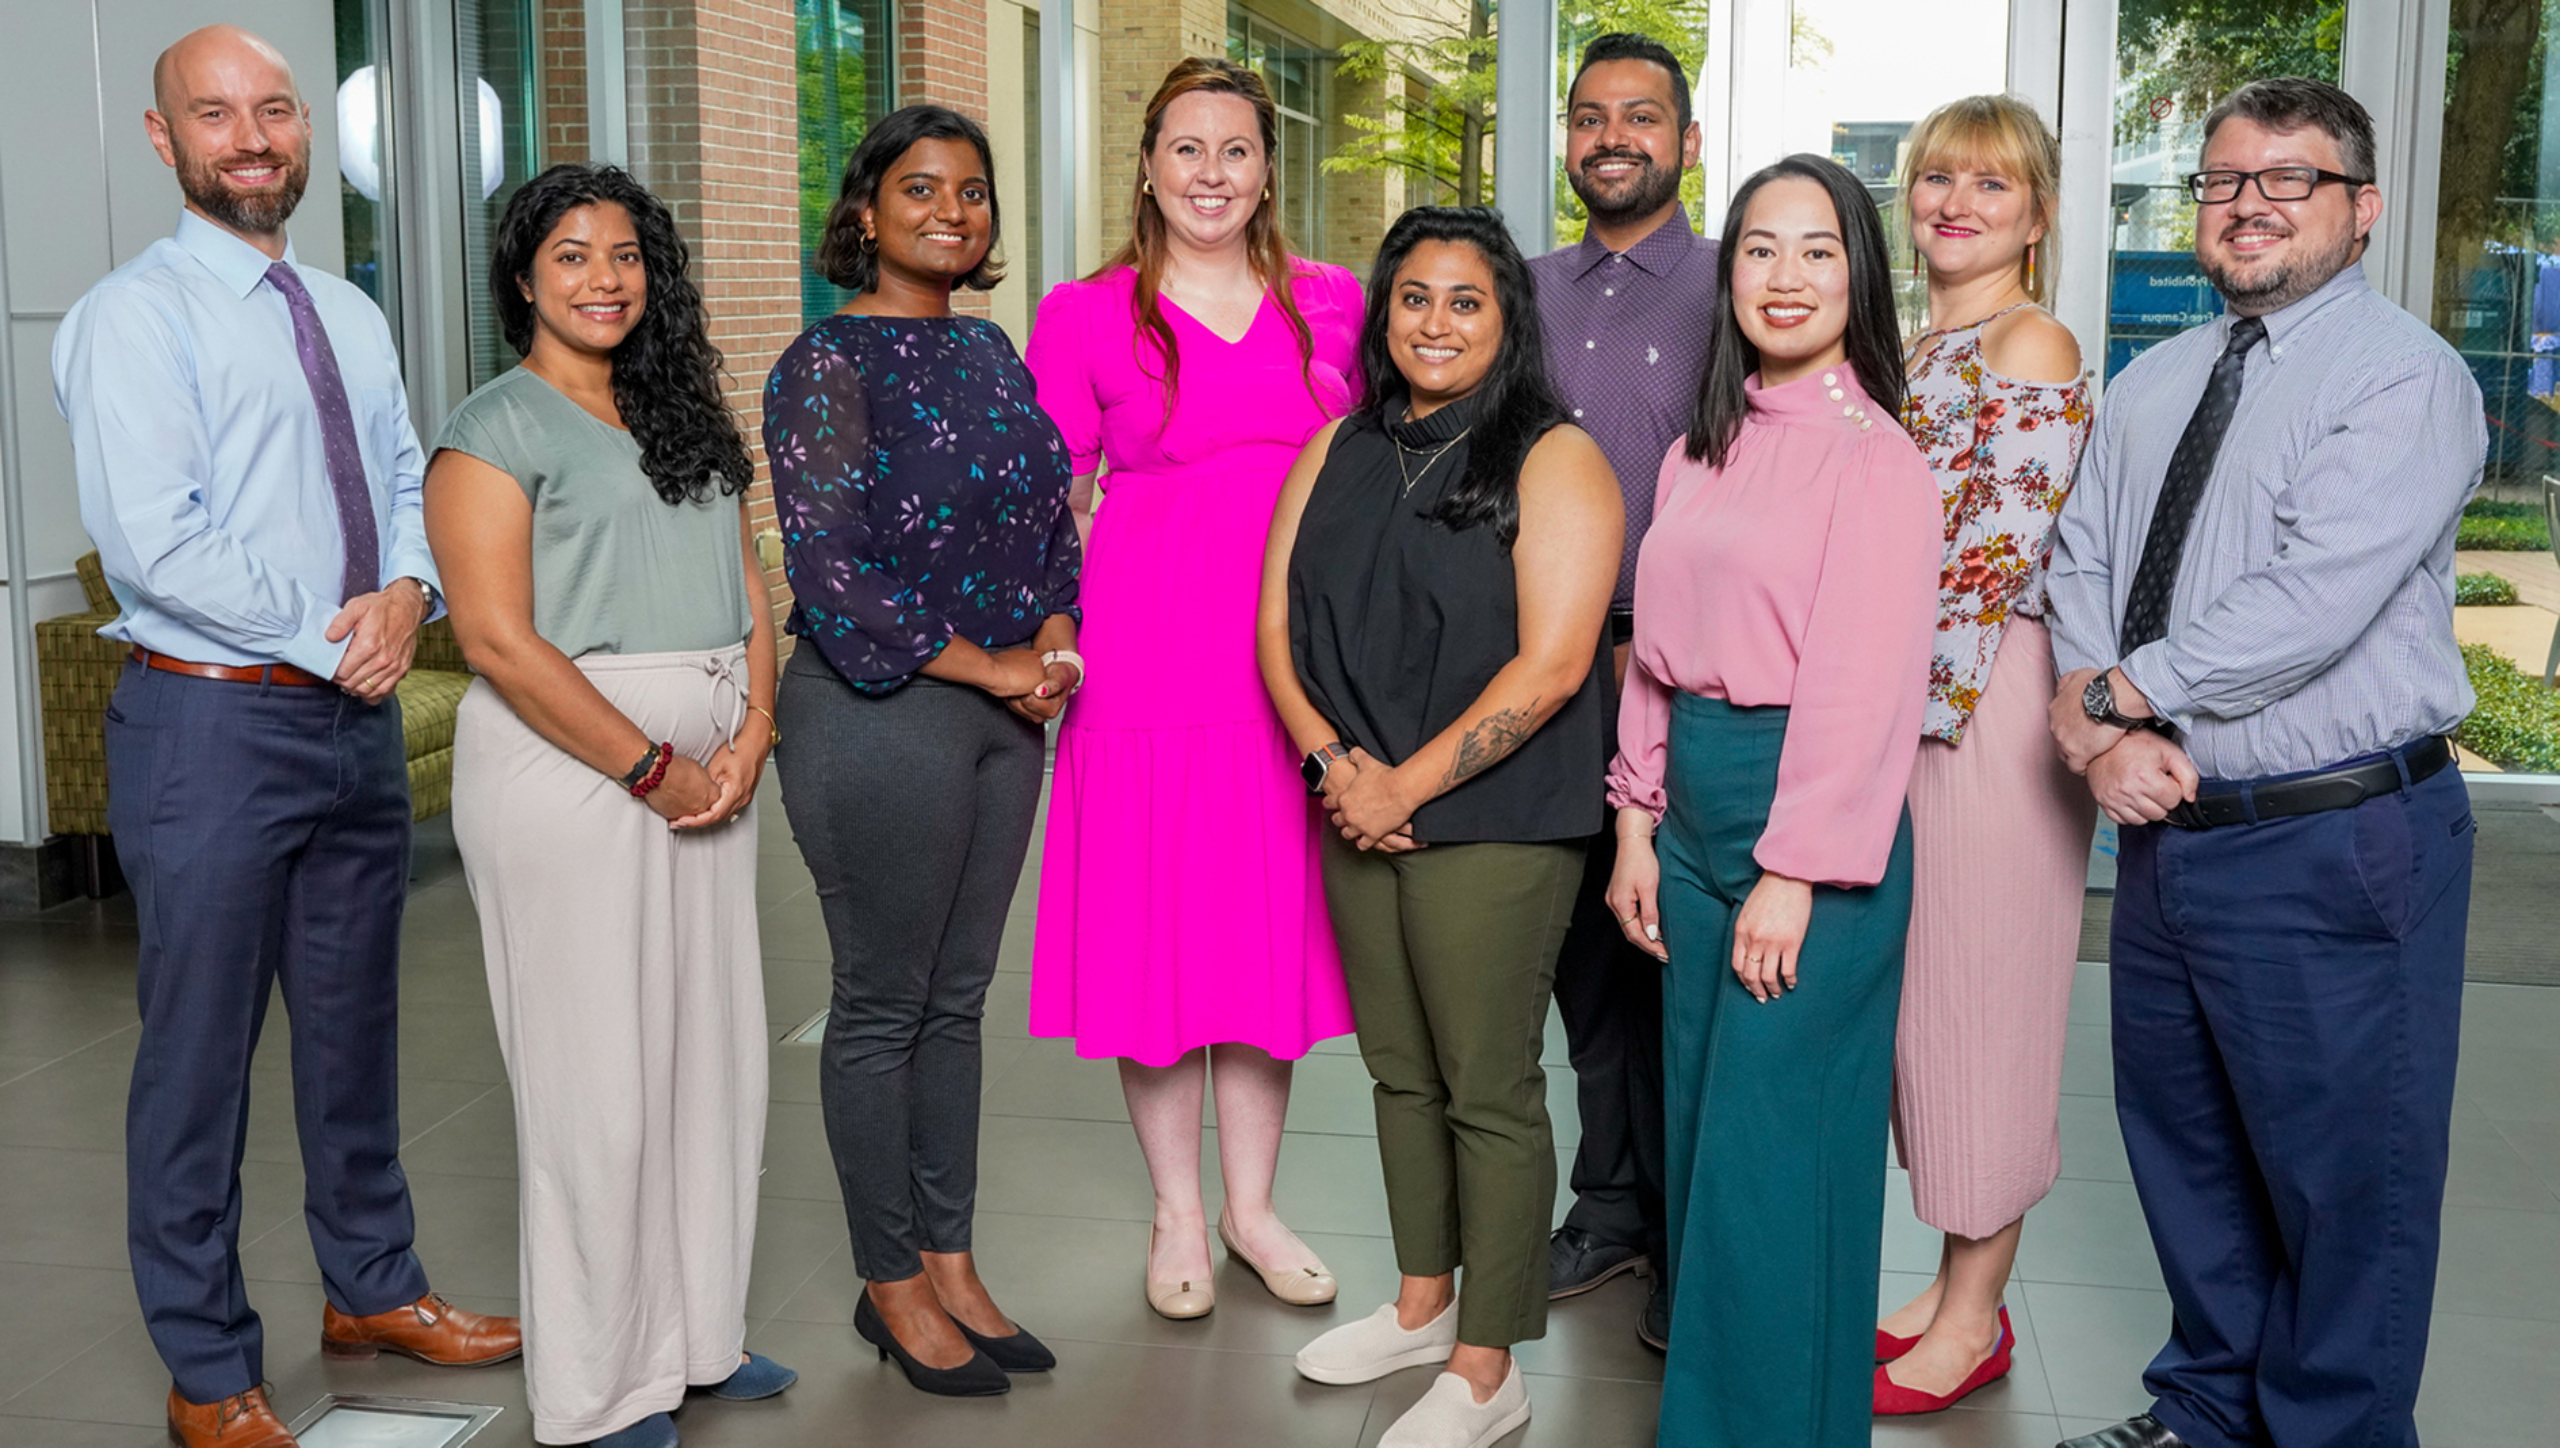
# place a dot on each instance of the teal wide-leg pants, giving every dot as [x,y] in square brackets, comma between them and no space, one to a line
[1775,1118]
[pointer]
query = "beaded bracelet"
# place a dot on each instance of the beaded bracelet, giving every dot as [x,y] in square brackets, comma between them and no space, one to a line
[657,774]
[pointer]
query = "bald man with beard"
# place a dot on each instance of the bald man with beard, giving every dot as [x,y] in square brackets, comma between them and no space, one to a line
[249,474]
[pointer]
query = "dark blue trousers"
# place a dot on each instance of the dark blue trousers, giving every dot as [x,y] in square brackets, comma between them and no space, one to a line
[2287,999]
[265,833]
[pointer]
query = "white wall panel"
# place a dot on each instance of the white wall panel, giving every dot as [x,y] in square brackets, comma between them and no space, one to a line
[142,192]
[49,499]
[52,158]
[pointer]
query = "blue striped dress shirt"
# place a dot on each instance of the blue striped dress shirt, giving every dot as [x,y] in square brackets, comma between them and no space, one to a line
[198,451]
[2313,615]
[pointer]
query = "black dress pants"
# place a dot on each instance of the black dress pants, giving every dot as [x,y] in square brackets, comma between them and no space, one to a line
[1610,995]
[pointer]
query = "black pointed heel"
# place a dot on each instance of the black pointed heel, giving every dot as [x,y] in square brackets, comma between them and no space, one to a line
[979,1377]
[1020,1353]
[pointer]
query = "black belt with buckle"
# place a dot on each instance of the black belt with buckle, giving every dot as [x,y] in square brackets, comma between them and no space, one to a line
[2313,793]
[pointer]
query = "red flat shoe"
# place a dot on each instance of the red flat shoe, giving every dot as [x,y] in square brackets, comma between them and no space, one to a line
[1895,1400]
[1889,1347]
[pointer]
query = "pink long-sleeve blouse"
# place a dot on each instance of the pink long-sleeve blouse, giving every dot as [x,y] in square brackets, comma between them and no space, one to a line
[1803,572]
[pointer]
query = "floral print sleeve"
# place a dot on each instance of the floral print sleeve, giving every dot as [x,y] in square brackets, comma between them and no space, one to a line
[920,492]
[2004,451]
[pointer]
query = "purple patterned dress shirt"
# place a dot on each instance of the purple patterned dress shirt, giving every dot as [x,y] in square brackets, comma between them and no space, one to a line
[1626,339]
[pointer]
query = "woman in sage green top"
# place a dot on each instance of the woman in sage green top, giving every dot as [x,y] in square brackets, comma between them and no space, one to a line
[586,513]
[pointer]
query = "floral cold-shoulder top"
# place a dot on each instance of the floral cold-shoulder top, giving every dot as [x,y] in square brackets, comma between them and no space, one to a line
[2003,450]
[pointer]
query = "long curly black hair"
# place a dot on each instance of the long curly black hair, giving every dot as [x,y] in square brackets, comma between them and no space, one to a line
[666,373]
[1519,403]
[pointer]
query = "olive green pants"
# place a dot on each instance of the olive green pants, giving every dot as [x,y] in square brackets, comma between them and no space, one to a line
[1450,953]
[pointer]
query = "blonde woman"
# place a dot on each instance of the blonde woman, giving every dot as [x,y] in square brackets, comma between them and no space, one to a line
[2000,829]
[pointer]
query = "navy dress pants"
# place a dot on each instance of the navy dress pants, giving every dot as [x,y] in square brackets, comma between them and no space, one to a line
[2287,997]
[265,833]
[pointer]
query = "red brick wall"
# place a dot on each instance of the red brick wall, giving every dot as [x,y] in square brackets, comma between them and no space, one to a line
[715,131]
[942,61]
[562,27]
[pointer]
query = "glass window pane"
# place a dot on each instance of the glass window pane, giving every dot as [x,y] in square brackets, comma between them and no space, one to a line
[363,198]
[2173,62]
[1861,74]
[2496,298]
[844,55]
[497,55]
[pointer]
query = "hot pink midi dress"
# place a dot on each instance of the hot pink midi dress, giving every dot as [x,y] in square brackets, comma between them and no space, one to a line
[1180,899]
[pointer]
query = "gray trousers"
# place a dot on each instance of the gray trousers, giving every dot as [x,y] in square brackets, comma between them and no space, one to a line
[914,812]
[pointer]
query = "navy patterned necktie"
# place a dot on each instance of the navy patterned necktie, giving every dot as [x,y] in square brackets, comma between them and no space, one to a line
[2146,610]
[363,571]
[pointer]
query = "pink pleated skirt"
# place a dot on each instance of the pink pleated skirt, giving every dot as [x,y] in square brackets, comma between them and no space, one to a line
[2000,836]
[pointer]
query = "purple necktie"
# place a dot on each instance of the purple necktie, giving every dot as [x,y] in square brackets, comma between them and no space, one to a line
[337,437]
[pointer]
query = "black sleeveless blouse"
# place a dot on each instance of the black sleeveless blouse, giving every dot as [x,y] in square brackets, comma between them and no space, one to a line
[1397,622]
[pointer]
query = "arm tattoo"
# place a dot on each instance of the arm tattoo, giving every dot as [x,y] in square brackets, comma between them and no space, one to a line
[1490,742]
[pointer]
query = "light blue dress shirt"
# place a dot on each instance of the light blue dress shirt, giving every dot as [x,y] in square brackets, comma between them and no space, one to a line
[2312,621]
[198,451]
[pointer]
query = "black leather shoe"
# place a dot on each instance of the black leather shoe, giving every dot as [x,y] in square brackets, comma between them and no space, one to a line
[1578,1261]
[2143,1431]
[1020,1353]
[1654,1327]
[979,1377]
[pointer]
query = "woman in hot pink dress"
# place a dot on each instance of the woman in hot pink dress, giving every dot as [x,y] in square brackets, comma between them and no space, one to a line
[1182,917]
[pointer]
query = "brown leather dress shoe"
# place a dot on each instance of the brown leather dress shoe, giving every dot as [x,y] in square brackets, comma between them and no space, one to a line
[430,1329]
[243,1420]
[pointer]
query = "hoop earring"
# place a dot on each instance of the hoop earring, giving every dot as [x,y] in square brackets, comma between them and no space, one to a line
[1146,186]
[870,244]
[1266,193]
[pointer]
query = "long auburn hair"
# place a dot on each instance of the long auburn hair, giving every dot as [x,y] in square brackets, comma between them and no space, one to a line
[1146,250]
[1874,337]
[1516,404]
[666,373]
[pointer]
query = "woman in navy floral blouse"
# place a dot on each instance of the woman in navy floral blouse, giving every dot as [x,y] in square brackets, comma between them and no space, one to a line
[922,495]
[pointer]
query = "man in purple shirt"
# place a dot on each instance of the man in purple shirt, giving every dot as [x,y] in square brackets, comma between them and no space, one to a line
[1627,313]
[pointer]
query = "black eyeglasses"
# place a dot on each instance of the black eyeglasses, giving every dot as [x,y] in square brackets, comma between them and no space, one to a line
[2280,183]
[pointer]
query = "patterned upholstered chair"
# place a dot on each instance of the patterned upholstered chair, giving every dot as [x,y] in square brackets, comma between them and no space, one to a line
[77,671]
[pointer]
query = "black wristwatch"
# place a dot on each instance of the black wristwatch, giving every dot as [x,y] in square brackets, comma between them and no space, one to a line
[2098,701]
[1315,766]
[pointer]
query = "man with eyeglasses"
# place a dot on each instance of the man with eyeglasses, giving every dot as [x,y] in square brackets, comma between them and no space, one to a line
[2252,596]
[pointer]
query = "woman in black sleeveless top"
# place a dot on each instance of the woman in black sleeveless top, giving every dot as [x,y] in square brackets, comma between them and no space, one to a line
[1432,633]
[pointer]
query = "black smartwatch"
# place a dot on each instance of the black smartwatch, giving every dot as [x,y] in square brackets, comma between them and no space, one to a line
[2098,701]
[1315,766]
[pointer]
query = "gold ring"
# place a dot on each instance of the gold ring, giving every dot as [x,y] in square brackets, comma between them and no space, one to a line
[1626,920]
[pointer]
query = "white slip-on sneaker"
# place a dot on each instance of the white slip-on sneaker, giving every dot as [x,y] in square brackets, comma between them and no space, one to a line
[1450,1417]
[1367,1350]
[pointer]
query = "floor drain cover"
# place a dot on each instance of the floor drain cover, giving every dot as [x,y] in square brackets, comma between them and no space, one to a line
[342,1420]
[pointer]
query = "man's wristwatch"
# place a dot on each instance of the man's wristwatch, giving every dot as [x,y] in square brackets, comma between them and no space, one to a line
[2098,701]
[426,591]
[1316,766]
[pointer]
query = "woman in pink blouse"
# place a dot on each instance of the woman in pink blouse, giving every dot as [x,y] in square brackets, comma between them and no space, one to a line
[1784,598]
[1182,916]
[2000,830]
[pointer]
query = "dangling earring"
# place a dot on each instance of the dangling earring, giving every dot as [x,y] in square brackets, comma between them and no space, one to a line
[1266,193]
[1146,186]
[870,243]
[2031,268]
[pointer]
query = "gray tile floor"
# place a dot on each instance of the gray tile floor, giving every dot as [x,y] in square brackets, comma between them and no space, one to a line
[1062,1227]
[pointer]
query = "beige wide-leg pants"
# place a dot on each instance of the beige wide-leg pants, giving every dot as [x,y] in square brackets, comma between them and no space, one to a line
[625,974]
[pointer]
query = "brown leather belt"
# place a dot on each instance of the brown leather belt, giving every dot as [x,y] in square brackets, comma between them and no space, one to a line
[284,674]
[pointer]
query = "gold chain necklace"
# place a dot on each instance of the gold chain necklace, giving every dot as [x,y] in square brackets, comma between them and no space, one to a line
[1411,478]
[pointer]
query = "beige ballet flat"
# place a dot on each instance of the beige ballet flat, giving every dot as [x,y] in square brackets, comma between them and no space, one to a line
[1180,1301]
[1299,1287]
